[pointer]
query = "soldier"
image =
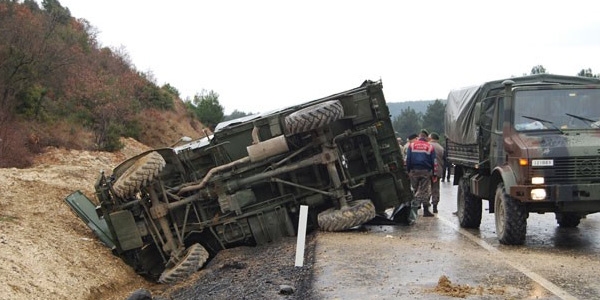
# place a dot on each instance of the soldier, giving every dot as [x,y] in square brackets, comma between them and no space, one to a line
[420,163]
[446,168]
[411,138]
[434,140]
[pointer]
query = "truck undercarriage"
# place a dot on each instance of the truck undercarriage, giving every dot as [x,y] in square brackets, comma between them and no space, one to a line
[167,211]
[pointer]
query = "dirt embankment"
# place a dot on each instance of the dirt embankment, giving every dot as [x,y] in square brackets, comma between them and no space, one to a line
[46,252]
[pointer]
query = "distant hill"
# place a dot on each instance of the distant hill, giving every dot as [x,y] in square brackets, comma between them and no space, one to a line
[419,106]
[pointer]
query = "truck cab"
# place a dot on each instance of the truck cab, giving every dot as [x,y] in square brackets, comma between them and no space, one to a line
[525,144]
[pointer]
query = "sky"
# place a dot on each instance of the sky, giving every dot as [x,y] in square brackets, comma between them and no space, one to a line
[263,55]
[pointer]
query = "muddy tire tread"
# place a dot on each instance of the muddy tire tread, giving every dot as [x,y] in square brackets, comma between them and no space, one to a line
[511,218]
[357,213]
[314,117]
[469,211]
[193,260]
[139,175]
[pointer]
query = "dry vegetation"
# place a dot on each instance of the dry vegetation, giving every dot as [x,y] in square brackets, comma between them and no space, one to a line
[60,88]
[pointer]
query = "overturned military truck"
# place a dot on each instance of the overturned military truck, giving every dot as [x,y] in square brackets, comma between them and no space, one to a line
[527,145]
[166,212]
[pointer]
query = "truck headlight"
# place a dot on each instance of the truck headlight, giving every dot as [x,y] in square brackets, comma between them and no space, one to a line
[538,194]
[537,180]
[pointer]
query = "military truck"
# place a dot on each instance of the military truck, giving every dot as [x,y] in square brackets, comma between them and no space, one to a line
[527,144]
[167,211]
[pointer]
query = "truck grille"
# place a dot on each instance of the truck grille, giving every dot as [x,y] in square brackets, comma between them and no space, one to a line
[570,170]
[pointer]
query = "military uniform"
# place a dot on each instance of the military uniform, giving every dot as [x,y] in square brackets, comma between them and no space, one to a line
[439,173]
[420,163]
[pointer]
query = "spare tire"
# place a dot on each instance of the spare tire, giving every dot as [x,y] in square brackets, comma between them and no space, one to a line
[140,174]
[356,213]
[313,117]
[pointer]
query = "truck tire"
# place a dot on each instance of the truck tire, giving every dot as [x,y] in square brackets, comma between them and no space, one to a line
[313,117]
[511,218]
[194,258]
[357,213]
[568,220]
[142,172]
[468,206]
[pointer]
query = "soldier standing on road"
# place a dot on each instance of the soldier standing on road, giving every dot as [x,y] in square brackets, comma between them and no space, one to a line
[420,163]
[411,138]
[446,167]
[434,140]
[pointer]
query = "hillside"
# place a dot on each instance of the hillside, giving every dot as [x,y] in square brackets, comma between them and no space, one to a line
[163,128]
[60,88]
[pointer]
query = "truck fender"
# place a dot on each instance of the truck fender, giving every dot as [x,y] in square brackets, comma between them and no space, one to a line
[503,174]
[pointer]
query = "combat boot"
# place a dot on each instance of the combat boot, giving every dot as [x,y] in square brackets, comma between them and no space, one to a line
[426,212]
[435,211]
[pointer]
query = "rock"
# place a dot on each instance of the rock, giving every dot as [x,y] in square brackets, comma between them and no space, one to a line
[285,289]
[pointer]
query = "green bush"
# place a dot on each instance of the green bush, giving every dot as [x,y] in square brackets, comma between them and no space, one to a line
[112,140]
[132,129]
[154,97]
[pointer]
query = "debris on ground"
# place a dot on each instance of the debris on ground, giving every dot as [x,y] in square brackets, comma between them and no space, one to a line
[446,288]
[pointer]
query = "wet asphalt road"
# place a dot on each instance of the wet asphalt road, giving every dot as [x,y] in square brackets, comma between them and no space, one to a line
[399,262]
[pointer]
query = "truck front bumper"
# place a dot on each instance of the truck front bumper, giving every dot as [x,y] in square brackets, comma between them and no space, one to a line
[587,195]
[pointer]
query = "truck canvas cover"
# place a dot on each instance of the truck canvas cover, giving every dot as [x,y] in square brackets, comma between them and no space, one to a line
[460,118]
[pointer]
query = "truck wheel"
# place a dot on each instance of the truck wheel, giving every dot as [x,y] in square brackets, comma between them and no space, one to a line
[314,117]
[358,212]
[468,206]
[142,172]
[194,258]
[511,218]
[568,220]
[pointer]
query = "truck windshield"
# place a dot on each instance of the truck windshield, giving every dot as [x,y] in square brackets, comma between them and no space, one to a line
[563,109]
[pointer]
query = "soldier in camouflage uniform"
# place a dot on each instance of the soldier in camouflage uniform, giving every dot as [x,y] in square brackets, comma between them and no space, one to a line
[439,167]
[420,163]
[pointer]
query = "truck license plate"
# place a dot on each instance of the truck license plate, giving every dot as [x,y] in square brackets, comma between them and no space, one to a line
[542,162]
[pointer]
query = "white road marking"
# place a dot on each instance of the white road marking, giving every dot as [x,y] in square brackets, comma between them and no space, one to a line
[553,288]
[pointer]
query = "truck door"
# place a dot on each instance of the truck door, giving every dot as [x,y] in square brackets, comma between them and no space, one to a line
[497,155]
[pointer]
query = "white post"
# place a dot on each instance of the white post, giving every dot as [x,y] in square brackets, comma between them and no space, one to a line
[301,235]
